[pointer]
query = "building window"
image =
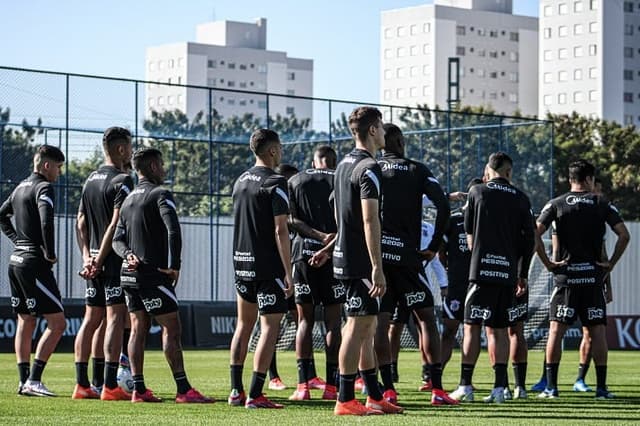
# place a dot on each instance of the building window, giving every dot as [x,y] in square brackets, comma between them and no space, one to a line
[481,53]
[563,9]
[401,51]
[179,79]
[493,54]
[628,29]
[170,100]
[262,69]
[548,55]
[628,52]
[548,77]
[577,6]
[628,74]
[480,72]
[593,27]
[179,62]
[493,95]
[628,97]
[401,32]
[426,49]
[399,93]
[169,80]
[563,76]
[578,29]
[231,101]
[388,53]
[242,66]
[242,102]
[425,70]
[548,11]
[171,63]
[425,90]
[460,50]
[481,32]
[628,119]
[413,92]
[562,98]
[152,66]
[150,101]
[493,33]
[577,74]
[291,76]
[179,99]
[547,99]
[400,73]
[413,30]
[628,7]
[562,53]
[426,28]
[160,100]
[413,71]
[593,50]
[578,97]
[593,4]
[243,85]
[593,95]
[547,32]
[513,56]
[413,50]
[563,31]
[513,77]
[461,30]
[231,83]
[160,65]
[578,52]
[387,74]
[211,82]
[593,72]
[212,63]
[387,95]
[493,74]
[388,33]
[262,104]
[513,36]
[513,98]
[290,110]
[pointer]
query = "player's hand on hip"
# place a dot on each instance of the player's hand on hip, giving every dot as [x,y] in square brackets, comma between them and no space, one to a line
[427,255]
[132,262]
[379,283]
[328,238]
[174,274]
[319,258]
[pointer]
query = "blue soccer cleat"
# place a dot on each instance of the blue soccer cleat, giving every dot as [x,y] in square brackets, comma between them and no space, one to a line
[540,386]
[581,386]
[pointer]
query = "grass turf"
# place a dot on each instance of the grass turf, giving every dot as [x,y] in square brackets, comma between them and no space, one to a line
[208,371]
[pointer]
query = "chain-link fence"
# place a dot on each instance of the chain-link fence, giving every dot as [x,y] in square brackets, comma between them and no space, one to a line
[204,132]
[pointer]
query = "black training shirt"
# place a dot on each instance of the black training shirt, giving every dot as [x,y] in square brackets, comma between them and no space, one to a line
[500,219]
[358,177]
[148,227]
[31,205]
[405,182]
[309,193]
[458,254]
[259,195]
[104,190]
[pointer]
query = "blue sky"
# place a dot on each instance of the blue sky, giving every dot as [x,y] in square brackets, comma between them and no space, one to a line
[109,37]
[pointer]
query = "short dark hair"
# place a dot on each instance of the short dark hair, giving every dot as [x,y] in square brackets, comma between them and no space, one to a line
[580,169]
[473,182]
[361,119]
[498,160]
[262,139]
[143,158]
[115,136]
[329,154]
[286,170]
[597,180]
[393,139]
[48,153]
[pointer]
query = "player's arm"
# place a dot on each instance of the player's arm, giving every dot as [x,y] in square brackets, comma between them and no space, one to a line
[6,212]
[621,231]
[121,248]
[45,197]
[528,246]
[373,235]
[82,238]
[434,192]
[469,218]
[280,208]
[169,215]
[441,275]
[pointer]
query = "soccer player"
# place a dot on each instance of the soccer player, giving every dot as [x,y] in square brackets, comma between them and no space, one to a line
[580,217]
[262,263]
[311,215]
[357,261]
[456,256]
[499,226]
[149,241]
[405,182]
[102,196]
[34,291]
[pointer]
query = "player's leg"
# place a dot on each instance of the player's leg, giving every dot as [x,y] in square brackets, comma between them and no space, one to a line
[97,356]
[115,321]
[593,314]
[498,350]
[395,334]
[332,322]
[518,352]
[562,314]
[585,360]
[140,323]
[449,333]
[25,327]
[247,308]
[304,347]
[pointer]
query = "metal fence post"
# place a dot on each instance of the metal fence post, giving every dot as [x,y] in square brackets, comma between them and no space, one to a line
[69,257]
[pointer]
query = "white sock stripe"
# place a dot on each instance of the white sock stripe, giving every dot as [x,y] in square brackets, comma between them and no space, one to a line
[168,293]
[46,291]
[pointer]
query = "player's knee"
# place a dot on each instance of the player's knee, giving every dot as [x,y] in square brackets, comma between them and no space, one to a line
[56,323]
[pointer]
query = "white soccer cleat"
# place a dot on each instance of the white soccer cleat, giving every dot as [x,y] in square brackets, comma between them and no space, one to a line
[463,393]
[496,396]
[520,393]
[34,388]
[507,394]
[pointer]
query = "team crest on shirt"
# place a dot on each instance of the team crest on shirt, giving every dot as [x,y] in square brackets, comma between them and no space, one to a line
[90,293]
[563,311]
[479,313]
[415,297]
[354,303]
[113,292]
[302,288]
[595,313]
[150,304]
[31,303]
[266,300]
[15,302]
[454,305]
[338,291]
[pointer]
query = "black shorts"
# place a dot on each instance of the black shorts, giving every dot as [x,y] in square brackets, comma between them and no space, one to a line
[520,311]
[586,303]
[400,315]
[453,306]
[155,300]
[316,285]
[268,294]
[33,287]
[407,287]
[104,291]
[358,302]
[491,304]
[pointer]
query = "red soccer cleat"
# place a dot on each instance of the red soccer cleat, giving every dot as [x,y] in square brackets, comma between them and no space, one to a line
[426,386]
[80,392]
[391,396]
[147,396]
[261,402]
[301,393]
[115,394]
[276,384]
[384,406]
[354,408]
[440,397]
[330,392]
[193,397]
[237,399]
[317,383]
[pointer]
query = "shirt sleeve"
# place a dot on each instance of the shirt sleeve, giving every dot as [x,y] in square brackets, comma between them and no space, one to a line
[528,238]
[6,212]
[369,180]
[280,197]
[613,215]
[169,215]
[123,188]
[548,215]
[433,191]
[119,242]
[45,201]
[469,212]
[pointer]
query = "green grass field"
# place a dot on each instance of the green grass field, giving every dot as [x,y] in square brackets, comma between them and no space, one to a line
[208,371]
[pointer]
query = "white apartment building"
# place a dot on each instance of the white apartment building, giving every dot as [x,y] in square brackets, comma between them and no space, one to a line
[228,55]
[497,51]
[590,58]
